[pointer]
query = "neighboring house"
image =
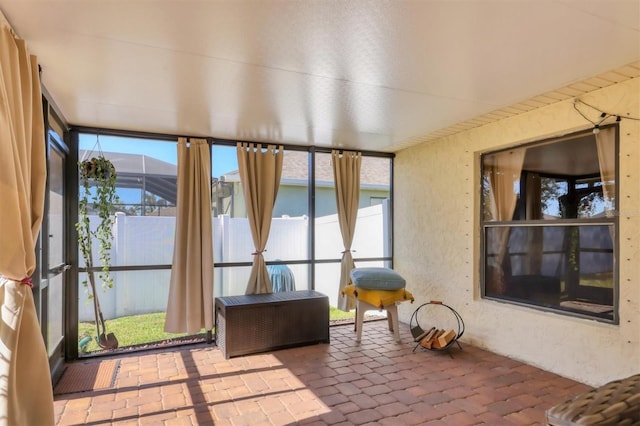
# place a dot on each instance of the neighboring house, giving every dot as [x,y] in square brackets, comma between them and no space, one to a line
[293,192]
[147,186]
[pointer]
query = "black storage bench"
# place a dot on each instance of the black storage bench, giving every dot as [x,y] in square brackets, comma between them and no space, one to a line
[256,323]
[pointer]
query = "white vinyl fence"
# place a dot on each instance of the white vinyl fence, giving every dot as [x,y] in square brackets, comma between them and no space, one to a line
[148,240]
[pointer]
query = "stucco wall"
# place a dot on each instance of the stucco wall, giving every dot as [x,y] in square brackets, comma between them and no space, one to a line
[436,233]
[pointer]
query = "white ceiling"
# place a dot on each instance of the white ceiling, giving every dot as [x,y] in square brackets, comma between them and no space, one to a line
[370,75]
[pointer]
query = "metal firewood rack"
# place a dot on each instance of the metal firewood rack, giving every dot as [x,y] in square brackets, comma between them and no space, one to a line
[419,330]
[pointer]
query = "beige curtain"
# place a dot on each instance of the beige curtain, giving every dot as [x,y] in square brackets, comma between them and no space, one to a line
[503,171]
[26,395]
[606,146]
[346,174]
[260,172]
[190,305]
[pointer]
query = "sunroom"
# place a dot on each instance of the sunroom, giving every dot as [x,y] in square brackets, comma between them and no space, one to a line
[499,174]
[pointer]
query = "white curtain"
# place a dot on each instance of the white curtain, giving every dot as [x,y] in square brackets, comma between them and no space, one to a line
[190,305]
[260,172]
[606,146]
[26,394]
[346,174]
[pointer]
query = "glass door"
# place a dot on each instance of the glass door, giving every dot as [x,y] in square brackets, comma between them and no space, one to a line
[54,255]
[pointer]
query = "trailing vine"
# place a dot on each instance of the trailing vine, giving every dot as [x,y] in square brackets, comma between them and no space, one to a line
[97,174]
[574,242]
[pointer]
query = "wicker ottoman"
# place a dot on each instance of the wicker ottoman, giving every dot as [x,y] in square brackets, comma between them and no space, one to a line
[616,403]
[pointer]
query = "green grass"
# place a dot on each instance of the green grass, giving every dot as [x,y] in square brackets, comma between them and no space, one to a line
[606,283]
[137,330]
[130,331]
[337,314]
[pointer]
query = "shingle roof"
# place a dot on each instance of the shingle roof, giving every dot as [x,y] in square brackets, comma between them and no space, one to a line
[374,171]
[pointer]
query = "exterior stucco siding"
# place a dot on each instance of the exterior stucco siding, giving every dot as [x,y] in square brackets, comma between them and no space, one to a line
[437,242]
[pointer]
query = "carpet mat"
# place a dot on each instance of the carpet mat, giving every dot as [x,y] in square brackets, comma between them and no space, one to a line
[87,377]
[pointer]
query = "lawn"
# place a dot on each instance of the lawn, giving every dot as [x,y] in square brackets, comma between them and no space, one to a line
[144,329]
[131,331]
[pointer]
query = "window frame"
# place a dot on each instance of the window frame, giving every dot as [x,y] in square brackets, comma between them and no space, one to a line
[613,220]
[311,261]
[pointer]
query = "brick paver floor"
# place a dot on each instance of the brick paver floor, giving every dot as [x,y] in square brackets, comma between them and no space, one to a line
[378,382]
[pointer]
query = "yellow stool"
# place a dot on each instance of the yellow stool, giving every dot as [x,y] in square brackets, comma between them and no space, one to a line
[367,300]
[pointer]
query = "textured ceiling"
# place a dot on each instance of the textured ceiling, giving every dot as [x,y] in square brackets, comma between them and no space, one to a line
[370,75]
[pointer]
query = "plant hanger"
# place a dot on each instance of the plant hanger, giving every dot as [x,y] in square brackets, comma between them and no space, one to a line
[88,154]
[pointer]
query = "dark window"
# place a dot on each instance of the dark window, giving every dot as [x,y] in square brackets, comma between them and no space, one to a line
[549,224]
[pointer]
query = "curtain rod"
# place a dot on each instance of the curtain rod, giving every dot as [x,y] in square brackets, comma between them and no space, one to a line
[216,141]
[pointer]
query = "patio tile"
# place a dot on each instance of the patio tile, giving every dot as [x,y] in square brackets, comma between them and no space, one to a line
[377,390]
[448,408]
[504,407]
[178,421]
[490,418]
[413,418]
[460,419]
[75,417]
[529,416]
[348,389]
[378,382]
[362,383]
[125,413]
[364,401]
[459,392]
[436,398]
[347,407]
[332,417]
[393,409]
[363,417]
[226,410]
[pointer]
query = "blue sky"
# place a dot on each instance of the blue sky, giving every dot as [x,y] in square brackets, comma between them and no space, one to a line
[224,157]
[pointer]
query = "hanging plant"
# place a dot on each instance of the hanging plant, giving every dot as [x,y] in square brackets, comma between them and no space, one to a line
[98,195]
[98,167]
[574,249]
[97,174]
